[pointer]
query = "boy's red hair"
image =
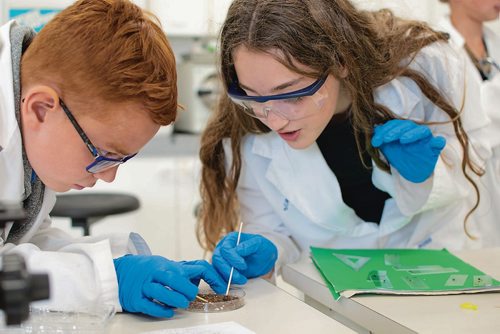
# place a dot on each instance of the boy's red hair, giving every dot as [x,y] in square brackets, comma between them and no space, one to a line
[107,51]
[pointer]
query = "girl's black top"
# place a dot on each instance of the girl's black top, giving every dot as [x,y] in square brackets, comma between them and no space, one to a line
[338,146]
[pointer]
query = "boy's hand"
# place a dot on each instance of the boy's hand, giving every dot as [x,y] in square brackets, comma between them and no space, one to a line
[409,147]
[156,286]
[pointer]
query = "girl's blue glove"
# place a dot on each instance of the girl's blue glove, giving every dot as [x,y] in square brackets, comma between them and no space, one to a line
[409,147]
[253,257]
[155,286]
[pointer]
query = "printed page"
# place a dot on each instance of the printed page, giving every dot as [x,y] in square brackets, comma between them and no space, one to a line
[229,327]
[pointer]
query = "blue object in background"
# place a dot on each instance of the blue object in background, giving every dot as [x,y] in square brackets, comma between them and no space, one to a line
[32,17]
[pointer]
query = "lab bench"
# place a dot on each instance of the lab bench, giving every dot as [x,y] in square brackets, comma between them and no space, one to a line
[406,314]
[267,309]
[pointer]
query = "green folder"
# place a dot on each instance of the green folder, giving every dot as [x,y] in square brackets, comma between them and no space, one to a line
[398,271]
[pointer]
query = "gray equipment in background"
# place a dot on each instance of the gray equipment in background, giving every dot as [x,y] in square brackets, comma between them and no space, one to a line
[199,88]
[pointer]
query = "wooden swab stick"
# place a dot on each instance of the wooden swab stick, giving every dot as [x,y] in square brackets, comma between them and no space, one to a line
[202,299]
[232,268]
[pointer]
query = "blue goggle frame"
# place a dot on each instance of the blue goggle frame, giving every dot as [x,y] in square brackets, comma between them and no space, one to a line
[236,92]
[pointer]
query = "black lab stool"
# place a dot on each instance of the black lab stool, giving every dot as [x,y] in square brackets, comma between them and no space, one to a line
[87,208]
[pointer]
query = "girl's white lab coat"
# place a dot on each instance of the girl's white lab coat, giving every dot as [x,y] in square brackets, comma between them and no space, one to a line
[81,271]
[293,198]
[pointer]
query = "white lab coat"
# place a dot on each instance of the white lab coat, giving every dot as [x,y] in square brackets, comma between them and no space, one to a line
[491,39]
[81,271]
[490,99]
[293,198]
[490,89]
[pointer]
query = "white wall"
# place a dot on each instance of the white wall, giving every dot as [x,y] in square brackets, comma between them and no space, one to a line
[46,4]
[428,10]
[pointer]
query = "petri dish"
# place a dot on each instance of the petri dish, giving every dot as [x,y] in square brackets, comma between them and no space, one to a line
[218,303]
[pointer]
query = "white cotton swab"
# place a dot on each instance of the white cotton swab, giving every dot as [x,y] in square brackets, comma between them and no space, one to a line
[232,268]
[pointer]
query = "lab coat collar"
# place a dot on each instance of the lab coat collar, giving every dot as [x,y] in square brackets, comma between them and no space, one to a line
[492,41]
[11,162]
[306,182]
[455,37]
[8,121]
[490,37]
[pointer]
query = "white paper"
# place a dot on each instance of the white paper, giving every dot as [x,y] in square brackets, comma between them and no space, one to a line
[229,327]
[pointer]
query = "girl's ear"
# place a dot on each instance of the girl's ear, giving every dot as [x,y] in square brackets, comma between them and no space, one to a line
[344,72]
[38,102]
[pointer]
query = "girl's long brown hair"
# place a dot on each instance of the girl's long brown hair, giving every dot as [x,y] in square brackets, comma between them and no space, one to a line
[375,48]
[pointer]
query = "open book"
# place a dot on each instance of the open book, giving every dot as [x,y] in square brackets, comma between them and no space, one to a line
[398,271]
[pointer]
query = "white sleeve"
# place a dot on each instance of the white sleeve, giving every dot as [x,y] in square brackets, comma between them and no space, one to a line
[257,214]
[49,238]
[81,270]
[81,276]
[453,76]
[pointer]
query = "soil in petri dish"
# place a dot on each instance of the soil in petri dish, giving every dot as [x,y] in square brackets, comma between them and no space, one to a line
[212,298]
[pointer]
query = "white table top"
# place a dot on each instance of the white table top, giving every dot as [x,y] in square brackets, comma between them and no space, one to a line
[409,314]
[267,309]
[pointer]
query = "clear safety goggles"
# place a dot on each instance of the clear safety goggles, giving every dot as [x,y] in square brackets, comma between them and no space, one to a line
[291,106]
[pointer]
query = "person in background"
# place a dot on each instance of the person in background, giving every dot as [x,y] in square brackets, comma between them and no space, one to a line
[480,46]
[465,24]
[76,101]
[339,128]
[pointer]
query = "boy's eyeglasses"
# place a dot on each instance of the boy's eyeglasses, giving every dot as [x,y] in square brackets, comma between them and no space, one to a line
[291,106]
[102,160]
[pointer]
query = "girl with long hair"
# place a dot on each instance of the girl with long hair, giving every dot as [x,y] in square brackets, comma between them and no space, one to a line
[338,128]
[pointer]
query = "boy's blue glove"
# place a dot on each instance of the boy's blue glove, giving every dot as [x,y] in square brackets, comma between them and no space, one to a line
[409,147]
[155,286]
[253,257]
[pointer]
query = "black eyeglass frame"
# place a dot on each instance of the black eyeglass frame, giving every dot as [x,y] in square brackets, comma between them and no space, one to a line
[101,162]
